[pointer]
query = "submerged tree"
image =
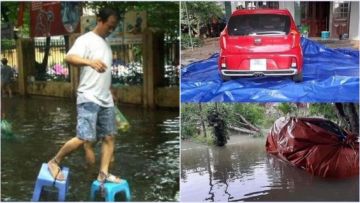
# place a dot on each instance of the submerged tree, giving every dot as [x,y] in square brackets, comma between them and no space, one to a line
[218,122]
[349,113]
[345,114]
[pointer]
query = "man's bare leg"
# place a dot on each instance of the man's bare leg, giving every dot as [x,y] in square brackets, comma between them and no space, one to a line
[107,150]
[89,153]
[68,147]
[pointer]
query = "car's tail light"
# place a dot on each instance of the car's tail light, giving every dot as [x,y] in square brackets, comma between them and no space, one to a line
[295,38]
[293,63]
[223,42]
[222,62]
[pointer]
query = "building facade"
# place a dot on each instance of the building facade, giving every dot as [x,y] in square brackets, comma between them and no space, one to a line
[340,18]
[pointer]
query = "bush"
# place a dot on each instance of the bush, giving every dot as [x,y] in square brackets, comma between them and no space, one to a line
[208,140]
[188,130]
[254,113]
[286,108]
[186,43]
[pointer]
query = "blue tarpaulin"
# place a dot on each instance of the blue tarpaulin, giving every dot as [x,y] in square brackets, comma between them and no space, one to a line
[330,75]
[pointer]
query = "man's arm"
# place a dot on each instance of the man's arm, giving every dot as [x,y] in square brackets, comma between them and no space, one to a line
[76,60]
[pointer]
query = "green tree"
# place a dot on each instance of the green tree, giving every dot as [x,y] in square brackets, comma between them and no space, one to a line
[200,12]
[161,15]
[9,14]
[326,110]
[287,108]
[189,120]
[346,114]
[254,113]
[194,15]
[245,117]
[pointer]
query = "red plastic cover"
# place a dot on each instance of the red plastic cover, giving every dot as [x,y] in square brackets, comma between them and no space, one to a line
[317,145]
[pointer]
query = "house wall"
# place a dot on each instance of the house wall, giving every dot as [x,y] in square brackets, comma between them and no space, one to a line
[354,21]
[289,5]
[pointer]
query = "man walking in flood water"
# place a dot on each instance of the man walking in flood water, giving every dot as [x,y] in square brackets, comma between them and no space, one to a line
[95,105]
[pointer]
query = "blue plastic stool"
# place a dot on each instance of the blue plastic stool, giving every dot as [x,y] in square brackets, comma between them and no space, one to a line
[111,189]
[45,179]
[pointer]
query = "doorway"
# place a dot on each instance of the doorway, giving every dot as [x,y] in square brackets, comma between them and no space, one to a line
[316,15]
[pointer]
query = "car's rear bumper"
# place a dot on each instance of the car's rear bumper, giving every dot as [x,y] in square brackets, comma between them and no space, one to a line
[282,72]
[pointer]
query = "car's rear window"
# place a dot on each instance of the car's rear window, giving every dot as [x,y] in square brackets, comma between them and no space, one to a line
[259,24]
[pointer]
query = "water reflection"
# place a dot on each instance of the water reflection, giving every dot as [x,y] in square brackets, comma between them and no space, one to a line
[243,171]
[147,155]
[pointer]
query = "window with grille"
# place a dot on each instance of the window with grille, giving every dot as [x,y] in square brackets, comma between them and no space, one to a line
[341,10]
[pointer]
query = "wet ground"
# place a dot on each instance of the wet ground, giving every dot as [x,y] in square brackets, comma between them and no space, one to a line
[242,171]
[146,155]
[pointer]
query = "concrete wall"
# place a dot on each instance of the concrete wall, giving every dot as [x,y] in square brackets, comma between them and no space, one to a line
[167,96]
[354,21]
[49,88]
[128,94]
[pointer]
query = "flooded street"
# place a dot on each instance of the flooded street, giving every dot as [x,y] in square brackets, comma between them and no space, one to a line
[242,171]
[147,156]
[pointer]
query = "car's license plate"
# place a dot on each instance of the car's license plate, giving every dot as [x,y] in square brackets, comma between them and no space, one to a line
[257,64]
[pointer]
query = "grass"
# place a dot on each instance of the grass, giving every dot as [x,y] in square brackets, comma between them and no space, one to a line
[208,140]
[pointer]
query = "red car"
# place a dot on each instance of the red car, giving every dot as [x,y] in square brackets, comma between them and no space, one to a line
[261,42]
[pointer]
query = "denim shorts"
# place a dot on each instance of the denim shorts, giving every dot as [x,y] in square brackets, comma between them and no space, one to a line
[94,121]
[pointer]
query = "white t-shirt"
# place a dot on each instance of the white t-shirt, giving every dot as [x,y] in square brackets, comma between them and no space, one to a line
[93,86]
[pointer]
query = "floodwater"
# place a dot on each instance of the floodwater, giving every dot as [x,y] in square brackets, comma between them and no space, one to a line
[242,171]
[147,156]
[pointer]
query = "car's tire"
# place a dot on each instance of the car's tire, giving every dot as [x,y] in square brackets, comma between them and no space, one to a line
[297,77]
[225,78]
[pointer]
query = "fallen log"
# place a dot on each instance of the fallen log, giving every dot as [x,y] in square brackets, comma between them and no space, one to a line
[243,130]
[247,123]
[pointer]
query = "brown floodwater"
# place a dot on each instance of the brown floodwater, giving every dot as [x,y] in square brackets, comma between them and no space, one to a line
[243,171]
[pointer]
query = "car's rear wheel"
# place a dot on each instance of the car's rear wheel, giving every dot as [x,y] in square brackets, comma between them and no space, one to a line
[297,77]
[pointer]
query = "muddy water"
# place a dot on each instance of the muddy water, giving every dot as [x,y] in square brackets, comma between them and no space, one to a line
[242,171]
[147,155]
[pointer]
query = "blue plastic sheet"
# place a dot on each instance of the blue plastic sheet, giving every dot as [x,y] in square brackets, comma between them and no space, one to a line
[330,75]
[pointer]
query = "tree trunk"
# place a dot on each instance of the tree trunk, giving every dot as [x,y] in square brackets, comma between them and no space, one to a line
[350,115]
[41,68]
[350,111]
[47,52]
[202,120]
[247,123]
